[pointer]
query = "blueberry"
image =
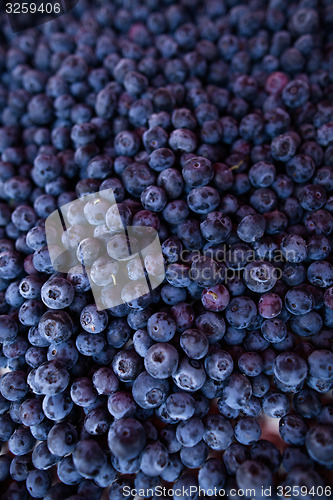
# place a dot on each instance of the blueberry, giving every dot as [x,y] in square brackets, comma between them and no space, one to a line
[92,320]
[20,467]
[218,432]
[219,365]
[31,412]
[161,327]
[274,330]
[240,312]
[172,295]
[234,456]
[190,375]
[174,468]
[161,360]
[57,293]
[318,444]
[118,333]
[7,426]
[40,431]
[10,264]
[82,392]
[197,171]
[13,385]
[237,391]
[269,305]
[254,474]
[62,439]
[171,181]
[8,328]
[52,377]
[88,458]
[215,298]
[154,459]
[203,200]
[55,326]
[266,452]
[38,483]
[293,429]
[149,392]
[154,198]
[251,364]
[136,178]
[275,404]
[194,456]
[126,364]
[67,471]
[21,441]
[176,211]
[121,404]
[251,228]
[194,343]
[212,325]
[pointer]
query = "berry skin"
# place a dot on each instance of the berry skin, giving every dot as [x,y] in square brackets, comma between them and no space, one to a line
[240,312]
[216,227]
[299,301]
[82,392]
[21,441]
[126,438]
[57,293]
[190,432]
[88,458]
[219,365]
[215,298]
[269,305]
[237,391]
[161,327]
[122,396]
[174,468]
[293,429]
[318,444]
[251,228]
[161,360]
[194,343]
[250,363]
[275,404]
[290,369]
[38,483]
[55,326]
[13,385]
[197,172]
[62,439]
[190,375]
[254,474]
[154,459]
[247,431]
[180,406]
[58,406]
[120,404]
[321,364]
[218,432]
[194,456]
[52,377]
[149,392]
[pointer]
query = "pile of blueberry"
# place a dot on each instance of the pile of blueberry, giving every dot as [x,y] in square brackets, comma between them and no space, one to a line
[212,122]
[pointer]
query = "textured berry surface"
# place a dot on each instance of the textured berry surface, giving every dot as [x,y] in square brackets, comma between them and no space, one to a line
[212,123]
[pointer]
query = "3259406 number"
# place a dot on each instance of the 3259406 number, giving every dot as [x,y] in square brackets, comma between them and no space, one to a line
[32,8]
[302,491]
